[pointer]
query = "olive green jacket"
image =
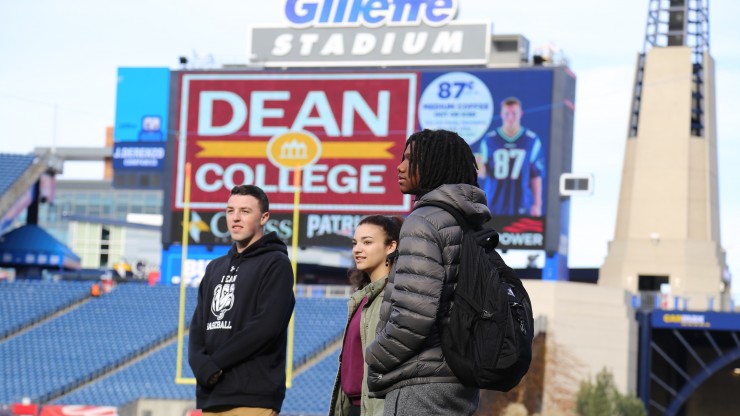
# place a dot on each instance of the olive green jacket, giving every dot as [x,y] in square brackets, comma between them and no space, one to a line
[340,403]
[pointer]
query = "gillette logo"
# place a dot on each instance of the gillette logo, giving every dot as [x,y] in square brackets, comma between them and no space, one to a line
[370,13]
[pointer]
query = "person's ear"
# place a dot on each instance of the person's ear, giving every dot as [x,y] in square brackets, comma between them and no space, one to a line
[391,258]
[391,247]
[264,218]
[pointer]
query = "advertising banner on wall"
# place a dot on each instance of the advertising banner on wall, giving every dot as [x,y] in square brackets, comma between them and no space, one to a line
[78,410]
[244,128]
[505,116]
[233,128]
[198,258]
[209,228]
[142,103]
[140,132]
[138,156]
[695,320]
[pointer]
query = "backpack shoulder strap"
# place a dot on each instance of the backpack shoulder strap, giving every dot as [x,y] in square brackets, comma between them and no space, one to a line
[486,237]
[451,210]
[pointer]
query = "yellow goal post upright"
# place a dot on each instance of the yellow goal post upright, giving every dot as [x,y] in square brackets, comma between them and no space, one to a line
[179,379]
[294,263]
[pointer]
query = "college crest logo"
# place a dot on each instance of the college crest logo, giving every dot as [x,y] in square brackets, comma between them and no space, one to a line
[223,300]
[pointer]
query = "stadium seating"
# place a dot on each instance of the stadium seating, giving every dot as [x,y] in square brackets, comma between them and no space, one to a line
[151,377]
[311,390]
[25,302]
[90,340]
[12,168]
[318,323]
[75,357]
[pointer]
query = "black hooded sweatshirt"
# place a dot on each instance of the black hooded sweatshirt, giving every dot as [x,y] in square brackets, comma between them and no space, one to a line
[240,326]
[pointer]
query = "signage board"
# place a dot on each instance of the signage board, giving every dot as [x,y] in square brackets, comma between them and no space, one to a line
[142,104]
[331,230]
[140,132]
[697,320]
[141,156]
[455,44]
[360,120]
[346,132]
[505,116]
[352,33]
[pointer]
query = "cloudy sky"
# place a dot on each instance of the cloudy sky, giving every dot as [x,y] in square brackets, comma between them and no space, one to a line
[59,62]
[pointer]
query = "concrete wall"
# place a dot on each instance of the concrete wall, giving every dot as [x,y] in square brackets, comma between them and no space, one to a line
[593,324]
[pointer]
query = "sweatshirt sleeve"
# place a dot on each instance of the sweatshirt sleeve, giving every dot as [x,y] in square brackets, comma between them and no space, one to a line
[201,363]
[275,302]
[415,298]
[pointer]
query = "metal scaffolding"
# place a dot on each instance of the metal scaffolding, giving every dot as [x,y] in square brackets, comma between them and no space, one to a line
[676,23]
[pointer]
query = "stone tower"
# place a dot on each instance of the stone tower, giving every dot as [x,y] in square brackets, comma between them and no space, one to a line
[667,236]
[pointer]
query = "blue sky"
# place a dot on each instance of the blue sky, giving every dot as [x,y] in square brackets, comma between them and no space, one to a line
[58,80]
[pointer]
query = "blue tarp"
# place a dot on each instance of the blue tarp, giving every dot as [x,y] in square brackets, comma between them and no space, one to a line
[31,245]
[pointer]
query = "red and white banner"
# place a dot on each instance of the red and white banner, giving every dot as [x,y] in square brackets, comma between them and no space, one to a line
[349,128]
[70,410]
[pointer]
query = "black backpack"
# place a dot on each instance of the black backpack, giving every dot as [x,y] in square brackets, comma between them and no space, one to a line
[487,340]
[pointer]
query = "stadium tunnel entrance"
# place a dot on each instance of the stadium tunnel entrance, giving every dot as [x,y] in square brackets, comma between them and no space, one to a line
[689,362]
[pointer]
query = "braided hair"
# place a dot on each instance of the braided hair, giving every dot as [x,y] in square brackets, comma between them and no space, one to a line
[441,157]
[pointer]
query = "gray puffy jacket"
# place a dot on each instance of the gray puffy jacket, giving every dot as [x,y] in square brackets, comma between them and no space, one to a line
[407,348]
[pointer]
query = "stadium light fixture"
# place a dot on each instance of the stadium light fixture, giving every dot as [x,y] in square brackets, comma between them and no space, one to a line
[576,184]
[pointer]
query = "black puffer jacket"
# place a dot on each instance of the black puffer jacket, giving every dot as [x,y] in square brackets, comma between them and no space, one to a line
[407,348]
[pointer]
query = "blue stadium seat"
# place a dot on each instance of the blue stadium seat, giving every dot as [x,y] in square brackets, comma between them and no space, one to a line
[98,336]
[89,340]
[12,167]
[24,302]
[318,323]
[311,390]
[151,377]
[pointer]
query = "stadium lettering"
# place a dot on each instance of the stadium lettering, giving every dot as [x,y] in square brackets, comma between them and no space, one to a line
[370,13]
[340,179]
[265,120]
[139,152]
[521,239]
[141,162]
[413,43]
[672,319]
[318,225]
[686,320]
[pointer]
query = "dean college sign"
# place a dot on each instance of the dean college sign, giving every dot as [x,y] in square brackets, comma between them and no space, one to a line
[343,33]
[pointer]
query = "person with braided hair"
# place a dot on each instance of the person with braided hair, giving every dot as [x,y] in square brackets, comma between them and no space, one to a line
[406,364]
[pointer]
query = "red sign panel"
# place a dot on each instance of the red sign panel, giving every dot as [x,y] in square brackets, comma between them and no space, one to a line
[229,123]
[70,410]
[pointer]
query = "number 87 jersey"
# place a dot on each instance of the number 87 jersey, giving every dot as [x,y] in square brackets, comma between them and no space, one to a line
[511,163]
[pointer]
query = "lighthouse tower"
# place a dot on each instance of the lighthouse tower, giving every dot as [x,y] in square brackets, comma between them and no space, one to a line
[667,236]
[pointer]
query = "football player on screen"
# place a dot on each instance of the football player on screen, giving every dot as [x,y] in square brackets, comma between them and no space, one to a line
[511,165]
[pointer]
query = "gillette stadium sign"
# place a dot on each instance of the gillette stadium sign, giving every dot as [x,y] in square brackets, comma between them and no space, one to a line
[343,33]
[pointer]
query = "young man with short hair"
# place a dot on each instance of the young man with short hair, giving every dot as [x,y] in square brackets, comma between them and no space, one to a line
[406,364]
[238,334]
